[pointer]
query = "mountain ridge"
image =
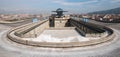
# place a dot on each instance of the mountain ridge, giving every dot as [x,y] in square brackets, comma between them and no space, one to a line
[110,11]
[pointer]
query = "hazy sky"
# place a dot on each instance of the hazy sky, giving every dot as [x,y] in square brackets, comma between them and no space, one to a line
[46,6]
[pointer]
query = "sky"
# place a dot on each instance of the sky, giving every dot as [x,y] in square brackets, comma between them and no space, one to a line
[46,6]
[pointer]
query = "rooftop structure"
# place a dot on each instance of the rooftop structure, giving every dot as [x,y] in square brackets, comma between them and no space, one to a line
[59,12]
[61,32]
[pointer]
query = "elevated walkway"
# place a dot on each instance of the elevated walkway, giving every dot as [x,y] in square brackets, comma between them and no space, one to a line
[42,35]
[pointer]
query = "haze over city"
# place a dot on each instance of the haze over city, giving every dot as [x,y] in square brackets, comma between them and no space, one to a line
[45,6]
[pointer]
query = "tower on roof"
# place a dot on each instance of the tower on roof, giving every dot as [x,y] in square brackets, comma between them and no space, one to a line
[59,12]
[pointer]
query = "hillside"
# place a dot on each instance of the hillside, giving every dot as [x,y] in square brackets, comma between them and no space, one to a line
[111,11]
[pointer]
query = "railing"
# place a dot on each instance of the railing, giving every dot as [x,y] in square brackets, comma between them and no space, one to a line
[89,29]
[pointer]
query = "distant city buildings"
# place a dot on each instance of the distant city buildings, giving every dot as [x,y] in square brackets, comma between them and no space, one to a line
[10,17]
[100,17]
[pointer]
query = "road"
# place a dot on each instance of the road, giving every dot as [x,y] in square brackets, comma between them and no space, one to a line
[18,24]
[11,49]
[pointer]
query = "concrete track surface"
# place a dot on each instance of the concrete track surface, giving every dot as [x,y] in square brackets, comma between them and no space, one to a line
[12,49]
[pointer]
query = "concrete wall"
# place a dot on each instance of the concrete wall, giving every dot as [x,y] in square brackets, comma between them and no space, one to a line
[32,29]
[16,38]
[59,22]
[28,30]
[37,31]
[88,29]
[104,34]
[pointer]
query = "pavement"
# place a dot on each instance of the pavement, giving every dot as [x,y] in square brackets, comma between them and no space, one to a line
[59,36]
[9,22]
[12,49]
[17,24]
